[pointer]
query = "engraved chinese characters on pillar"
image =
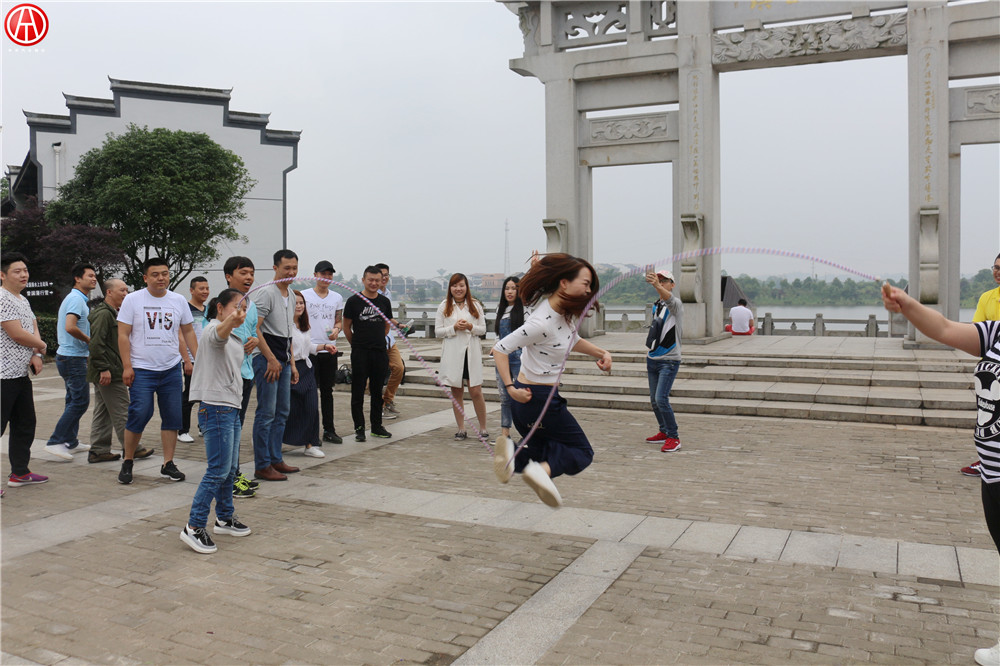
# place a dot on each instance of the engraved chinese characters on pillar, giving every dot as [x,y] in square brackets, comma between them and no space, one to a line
[694,139]
[929,121]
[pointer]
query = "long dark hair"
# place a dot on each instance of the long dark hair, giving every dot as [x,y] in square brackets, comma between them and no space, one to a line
[303,324]
[516,310]
[224,298]
[543,278]
[470,302]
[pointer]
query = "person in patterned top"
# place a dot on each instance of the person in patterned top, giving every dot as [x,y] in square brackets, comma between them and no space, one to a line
[21,350]
[980,339]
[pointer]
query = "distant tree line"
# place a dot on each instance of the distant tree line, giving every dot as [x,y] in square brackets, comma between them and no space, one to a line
[781,291]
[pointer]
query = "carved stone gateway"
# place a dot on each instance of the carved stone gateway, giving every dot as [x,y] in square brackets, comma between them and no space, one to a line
[604,56]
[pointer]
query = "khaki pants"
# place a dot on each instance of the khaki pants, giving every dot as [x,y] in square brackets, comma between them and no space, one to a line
[110,412]
[395,374]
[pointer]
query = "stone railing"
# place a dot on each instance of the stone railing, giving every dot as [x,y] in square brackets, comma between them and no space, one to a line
[636,319]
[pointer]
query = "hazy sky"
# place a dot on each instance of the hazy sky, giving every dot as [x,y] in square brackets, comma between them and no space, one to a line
[418,142]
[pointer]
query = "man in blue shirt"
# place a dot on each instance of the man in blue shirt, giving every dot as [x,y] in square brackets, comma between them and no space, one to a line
[73,333]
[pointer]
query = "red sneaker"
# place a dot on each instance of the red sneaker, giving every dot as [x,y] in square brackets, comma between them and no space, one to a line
[658,437]
[670,444]
[971,470]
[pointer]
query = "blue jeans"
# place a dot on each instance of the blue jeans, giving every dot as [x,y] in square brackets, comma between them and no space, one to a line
[221,428]
[168,386]
[661,379]
[73,370]
[515,368]
[273,403]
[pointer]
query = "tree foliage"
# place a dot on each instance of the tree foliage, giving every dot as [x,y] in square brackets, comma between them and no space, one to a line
[167,193]
[53,249]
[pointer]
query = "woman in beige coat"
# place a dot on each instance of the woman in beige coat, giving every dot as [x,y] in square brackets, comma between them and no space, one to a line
[461,321]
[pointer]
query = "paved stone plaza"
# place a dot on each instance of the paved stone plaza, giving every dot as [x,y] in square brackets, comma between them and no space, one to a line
[775,541]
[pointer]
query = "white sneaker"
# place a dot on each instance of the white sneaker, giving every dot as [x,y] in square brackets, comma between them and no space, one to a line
[388,416]
[79,448]
[988,656]
[314,452]
[534,475]
[502,454]
[185,437]
[59,451]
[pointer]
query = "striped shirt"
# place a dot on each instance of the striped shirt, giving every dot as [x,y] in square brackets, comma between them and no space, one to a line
[987,385]
[545,337]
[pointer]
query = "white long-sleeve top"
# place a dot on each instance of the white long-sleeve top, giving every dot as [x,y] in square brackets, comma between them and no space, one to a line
[545,337]
[302,346]
[460,345]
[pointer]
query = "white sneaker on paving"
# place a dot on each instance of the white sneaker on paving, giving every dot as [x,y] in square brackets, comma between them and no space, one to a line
[59,451]
[79,448]
[198,540]
[988,656]
[314,452]
[185,437]
[535,476]
[232,527]
[502,454]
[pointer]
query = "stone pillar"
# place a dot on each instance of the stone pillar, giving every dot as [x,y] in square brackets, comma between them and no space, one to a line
[568,184]
[697,202]
[934,247]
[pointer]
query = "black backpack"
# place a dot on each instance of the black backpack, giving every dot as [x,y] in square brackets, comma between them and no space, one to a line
[344,375]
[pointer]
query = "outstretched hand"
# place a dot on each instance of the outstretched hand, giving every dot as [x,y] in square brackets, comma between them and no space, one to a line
[893,297]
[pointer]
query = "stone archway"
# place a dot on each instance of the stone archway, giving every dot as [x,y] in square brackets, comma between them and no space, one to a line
[604,55]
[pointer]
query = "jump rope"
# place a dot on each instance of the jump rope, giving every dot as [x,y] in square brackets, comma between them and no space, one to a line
[647,268]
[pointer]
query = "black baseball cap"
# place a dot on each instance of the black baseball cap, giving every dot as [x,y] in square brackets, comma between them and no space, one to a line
[323,267]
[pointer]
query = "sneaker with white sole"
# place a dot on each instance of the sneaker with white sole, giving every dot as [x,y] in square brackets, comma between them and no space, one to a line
[988,656]
[184,437]
[59,451]
[198,540]
[232,527]
[28,479]
[314,452]
[79,448]
[503,467]
[169,471]
[534,475]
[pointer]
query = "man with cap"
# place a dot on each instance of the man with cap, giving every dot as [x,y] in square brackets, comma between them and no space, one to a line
[664,358]
[326,315]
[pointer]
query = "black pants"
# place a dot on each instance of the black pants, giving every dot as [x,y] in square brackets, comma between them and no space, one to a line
[186,406]
[17,405]
[371,367]
[559,440]
[325,369]
[991,509]
[247,390]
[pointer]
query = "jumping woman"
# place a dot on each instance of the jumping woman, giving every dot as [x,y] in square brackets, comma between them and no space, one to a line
[559,288]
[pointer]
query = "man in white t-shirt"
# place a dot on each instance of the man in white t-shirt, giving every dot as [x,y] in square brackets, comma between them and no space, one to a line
[150,323]
[742,319]
[326,321]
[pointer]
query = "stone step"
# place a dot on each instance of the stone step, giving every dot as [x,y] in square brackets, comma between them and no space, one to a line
[884,363]
[749,407]
[890,397]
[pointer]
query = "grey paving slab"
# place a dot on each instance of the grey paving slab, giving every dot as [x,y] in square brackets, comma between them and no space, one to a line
[658,532]
[443,507]
[707,537]
[978,566]
[523,638]
[928,560]
[812,548]
[760,542]
[607,525]
[484,510]
[868,554]
[523,516]
[605,559]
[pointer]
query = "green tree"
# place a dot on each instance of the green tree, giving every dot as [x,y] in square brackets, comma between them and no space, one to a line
[169,194]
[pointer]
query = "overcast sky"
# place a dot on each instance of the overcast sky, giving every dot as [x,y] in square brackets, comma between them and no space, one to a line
[418,142]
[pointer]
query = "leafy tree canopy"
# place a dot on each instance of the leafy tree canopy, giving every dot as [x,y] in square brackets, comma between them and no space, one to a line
[167,193]
[52,250]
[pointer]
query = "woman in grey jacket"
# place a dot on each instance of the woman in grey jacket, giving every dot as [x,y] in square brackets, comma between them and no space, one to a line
[217,383]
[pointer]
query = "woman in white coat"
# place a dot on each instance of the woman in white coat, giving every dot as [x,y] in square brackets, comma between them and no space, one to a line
[460,321]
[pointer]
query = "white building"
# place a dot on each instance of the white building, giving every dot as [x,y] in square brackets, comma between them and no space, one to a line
[59,141]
